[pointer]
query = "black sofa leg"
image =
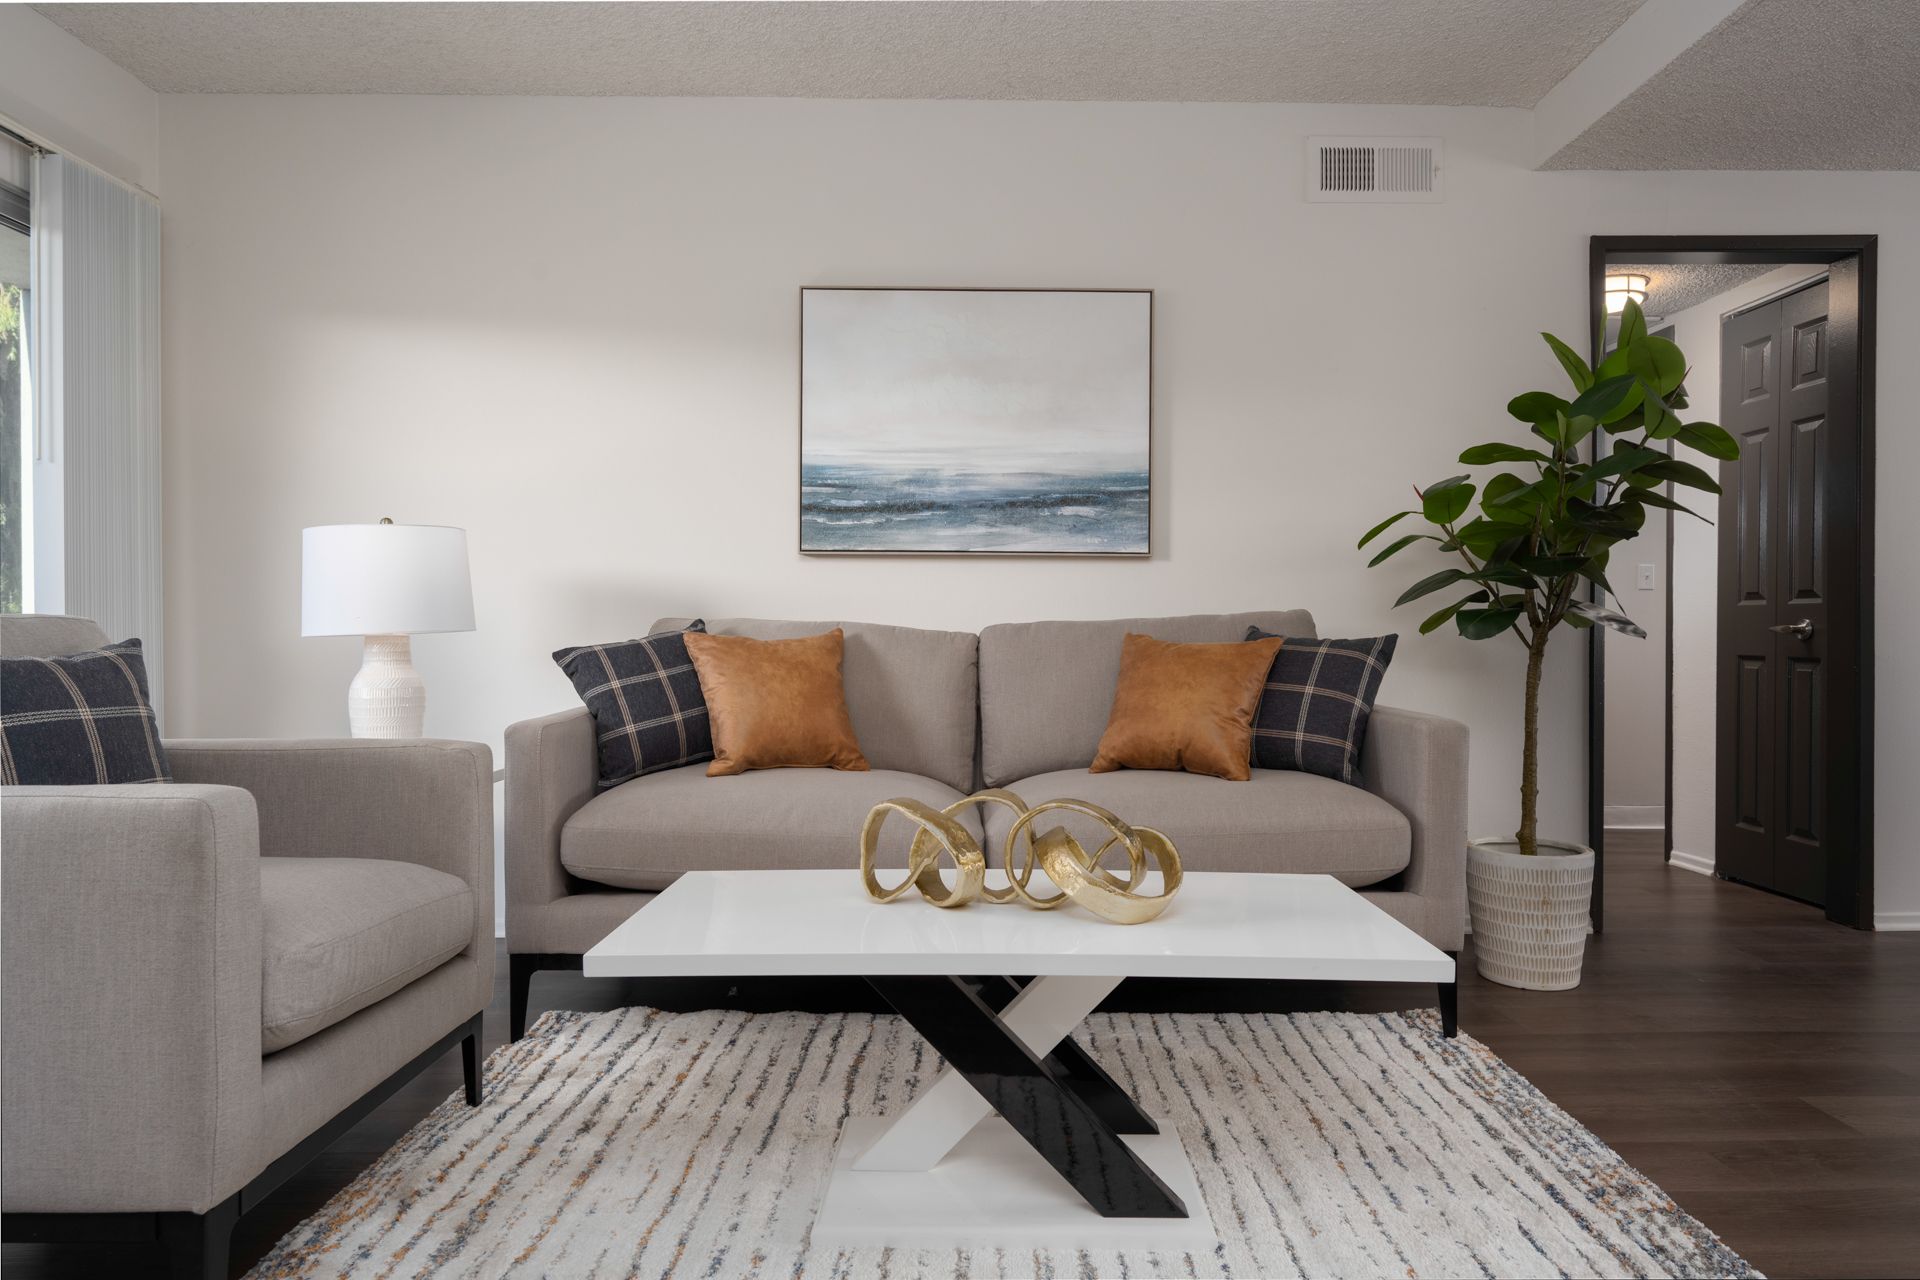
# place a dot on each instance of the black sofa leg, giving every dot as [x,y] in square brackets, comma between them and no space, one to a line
[470,1062]
[521,966]
[1450,1000]
[199,1245]
[521,969]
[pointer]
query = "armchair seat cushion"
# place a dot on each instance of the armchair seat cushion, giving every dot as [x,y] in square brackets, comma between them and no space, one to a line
[340,934]
[1277,820]
[643,834]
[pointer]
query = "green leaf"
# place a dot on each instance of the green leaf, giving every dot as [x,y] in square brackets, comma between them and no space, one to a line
[1399,544]
[1655,498]
[1482,454]
[1577,371]
[1439,619]
[1633,326]
[1497,488]
[1536,406]
[1478,535]
[1662,422]
[1429,584]
[1676,471]
[1619,462]
[1714,441]
[1578,428]
[1608,400]
[1484,624]
[1614,366]
[1552,566]
[1447,500]
[1659,362]
[1378,529]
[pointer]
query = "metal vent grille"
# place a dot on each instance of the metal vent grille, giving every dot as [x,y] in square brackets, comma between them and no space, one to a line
[1374,170]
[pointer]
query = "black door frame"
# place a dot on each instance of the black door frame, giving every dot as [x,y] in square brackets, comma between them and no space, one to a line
[1853,282]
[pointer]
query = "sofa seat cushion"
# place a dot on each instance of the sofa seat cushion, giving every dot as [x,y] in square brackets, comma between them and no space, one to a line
[643,834]
[1277,820]
[340,934]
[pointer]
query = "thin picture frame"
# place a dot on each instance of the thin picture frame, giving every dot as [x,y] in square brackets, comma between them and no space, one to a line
[948,553]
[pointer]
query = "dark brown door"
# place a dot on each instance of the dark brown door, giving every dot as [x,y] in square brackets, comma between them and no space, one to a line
[1774,373]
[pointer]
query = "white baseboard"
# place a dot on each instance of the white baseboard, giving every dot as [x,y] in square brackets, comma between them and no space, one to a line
[1692,862]
[1897,921]
[1635,816]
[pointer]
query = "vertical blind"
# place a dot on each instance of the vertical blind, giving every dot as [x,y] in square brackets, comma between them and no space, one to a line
[96,299]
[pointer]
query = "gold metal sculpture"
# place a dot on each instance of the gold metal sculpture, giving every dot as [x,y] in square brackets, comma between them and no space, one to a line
[1077,875]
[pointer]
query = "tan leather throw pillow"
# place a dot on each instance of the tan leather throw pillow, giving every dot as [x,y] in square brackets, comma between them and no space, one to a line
[775,704]
[1183,706]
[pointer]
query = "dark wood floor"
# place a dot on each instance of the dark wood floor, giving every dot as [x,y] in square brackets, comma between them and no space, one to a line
[1760,1064]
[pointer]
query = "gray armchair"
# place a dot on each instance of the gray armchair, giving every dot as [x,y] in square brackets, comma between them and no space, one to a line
[206,982]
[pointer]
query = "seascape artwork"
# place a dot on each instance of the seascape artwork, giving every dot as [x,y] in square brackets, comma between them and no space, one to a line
[994,421]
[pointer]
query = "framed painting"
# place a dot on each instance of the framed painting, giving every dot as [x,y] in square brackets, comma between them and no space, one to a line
[976,421]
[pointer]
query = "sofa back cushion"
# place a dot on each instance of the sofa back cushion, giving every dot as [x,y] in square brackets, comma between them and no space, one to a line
[1046,688]
[912,694]
[48,635]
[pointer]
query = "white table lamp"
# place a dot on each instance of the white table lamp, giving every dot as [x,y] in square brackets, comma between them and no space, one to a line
[385,582]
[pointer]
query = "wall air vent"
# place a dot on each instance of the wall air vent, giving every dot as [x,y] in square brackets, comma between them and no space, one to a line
[1374,170]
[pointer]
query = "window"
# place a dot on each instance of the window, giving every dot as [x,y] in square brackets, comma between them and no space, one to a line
[15,406]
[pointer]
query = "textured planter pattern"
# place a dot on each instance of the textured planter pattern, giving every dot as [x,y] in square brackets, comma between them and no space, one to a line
[1529,913]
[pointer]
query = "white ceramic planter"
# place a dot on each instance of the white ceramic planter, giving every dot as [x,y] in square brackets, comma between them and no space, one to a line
[1529,913]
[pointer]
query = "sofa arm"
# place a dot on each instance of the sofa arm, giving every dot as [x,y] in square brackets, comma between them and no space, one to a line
[1418,764]
[130,977]
[420,800]
[552,769]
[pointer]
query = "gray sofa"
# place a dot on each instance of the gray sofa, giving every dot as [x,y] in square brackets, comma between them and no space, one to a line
[205,982]
[938,714]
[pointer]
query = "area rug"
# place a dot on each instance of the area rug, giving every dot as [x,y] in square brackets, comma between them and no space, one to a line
[642,1143]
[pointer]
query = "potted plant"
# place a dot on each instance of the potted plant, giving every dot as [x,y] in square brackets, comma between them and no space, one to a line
[1528,558]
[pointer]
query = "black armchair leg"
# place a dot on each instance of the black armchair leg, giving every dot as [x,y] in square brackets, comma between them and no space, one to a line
[470,1061]
[199,1245]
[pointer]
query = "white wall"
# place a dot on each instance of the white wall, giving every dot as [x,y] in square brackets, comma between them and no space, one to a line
[1696,573]
[569,325]
[77,100]
[1635,779]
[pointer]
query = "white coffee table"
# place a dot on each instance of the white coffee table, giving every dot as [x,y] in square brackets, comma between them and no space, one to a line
[945,1171]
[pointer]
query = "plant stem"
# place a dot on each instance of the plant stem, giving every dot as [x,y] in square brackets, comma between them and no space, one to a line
[1528,836]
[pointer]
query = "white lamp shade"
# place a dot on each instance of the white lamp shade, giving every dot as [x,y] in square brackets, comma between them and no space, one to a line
[384,580]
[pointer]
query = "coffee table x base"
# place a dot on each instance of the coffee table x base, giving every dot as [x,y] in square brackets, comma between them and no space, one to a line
[1014,1076]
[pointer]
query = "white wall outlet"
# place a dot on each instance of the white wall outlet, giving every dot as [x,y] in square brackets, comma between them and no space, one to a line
[1646,577]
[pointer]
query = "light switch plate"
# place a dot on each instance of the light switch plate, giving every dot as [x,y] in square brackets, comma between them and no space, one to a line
[1646,577]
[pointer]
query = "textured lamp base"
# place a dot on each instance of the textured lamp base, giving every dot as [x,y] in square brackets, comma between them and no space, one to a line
[387,698]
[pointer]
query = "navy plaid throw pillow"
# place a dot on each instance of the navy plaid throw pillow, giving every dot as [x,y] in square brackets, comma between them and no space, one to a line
[648,711]
[1313,712]
[79,720]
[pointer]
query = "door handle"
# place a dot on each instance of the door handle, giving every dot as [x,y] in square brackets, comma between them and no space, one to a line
[1801,630]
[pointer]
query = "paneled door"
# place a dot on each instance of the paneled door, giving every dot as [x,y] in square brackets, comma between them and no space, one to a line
[1772,805]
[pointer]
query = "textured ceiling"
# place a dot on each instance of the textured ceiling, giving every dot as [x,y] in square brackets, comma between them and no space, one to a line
[1782,84]
[1672,288]
[1496,53]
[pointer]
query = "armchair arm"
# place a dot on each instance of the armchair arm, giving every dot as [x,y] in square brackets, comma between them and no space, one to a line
[421,800]
[130,975]
[1418,764]
[552,769]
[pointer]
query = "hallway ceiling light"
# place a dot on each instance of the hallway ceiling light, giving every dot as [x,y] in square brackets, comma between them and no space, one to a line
[1620,288]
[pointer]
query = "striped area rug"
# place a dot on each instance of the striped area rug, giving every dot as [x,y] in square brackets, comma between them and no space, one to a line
[641,1143]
